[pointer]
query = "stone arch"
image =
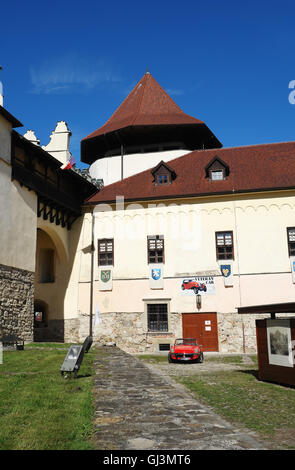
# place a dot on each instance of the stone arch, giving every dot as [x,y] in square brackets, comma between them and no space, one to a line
[51,275]
[58,237]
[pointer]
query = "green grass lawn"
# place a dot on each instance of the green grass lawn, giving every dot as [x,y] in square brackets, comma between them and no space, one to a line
[39,409]
[238,396]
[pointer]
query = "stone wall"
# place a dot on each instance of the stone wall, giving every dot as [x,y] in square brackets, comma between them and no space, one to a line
[16,302]
[236,333]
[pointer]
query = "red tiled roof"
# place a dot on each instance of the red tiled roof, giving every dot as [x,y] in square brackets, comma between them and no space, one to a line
[257,167]
[147,104]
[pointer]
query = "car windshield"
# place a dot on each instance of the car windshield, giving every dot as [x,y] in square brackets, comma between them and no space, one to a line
[186,342]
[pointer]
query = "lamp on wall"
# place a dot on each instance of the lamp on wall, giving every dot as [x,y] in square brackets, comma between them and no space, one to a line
[199,301]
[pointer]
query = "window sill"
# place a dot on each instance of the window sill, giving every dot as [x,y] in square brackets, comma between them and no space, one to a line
[160,333]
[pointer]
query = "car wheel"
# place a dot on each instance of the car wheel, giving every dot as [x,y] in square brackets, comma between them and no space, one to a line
[182,287]
[201,358]
[196,290]
[170,360]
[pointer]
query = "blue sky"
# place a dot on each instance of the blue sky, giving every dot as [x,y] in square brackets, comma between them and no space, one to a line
[227,63]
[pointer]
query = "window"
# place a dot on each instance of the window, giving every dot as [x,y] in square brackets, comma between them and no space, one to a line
[162,179]
[155,249]
[106,252]
[217,170]
[291,240]
[163,174]
[224,245]
[157,316]
[217,175]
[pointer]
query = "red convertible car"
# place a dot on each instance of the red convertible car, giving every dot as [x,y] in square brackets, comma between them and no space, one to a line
[194,285]
[186,349]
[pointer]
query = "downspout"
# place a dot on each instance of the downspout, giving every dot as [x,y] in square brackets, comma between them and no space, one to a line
[122,162]
[92,277]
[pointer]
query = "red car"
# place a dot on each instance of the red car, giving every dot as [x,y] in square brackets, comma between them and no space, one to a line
[196,286]
[186,349]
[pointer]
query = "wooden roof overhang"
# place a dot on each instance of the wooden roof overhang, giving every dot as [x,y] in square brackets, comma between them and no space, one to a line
[60,192]
[192,136]
[272,309]
[13,121]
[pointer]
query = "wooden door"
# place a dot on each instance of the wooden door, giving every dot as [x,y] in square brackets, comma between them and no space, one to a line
[203,327]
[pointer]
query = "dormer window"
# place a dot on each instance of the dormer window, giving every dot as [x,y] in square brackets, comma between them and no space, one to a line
[163,174]
[162,179]
[217,170]
[217,175]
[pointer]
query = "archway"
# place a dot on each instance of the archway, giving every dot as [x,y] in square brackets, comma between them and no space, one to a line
[50,286]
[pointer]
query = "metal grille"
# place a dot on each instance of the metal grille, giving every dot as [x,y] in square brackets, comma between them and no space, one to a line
[291,241]
[157,317]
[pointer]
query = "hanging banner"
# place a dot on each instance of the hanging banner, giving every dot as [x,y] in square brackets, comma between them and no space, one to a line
[227,273]
[203,285]
[105,279]
[292,262]
[156,276]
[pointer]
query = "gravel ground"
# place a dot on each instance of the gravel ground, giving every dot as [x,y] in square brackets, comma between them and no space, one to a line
[185,369]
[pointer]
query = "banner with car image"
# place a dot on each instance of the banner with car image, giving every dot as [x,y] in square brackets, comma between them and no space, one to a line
[203,285]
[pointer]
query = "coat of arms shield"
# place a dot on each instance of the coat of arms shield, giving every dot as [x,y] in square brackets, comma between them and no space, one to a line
[156,273]
[225,270]
[105,275]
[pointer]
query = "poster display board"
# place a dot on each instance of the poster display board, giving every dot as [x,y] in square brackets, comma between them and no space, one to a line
[279,342]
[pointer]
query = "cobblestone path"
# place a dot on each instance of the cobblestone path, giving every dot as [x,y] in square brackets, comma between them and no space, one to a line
[137,408]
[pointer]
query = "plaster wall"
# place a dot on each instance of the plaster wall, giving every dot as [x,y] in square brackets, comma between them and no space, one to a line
[5,140]
[109,168]
[18,208]
[261,265]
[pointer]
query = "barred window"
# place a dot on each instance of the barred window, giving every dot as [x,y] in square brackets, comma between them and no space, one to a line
[224,245]
[155,249]
[106,252]
[157,315]
[291,240]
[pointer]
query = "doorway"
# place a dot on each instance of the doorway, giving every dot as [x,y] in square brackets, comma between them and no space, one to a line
[203,327]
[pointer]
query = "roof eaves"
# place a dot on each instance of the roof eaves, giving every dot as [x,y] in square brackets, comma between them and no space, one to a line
[10,118]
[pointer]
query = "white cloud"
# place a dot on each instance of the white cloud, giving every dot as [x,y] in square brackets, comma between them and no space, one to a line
[70,74]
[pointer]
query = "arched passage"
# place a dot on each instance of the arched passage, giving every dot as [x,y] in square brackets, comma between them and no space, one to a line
[50,285]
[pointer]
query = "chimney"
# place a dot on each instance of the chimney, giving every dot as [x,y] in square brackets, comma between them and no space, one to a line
[30,135]
[59,145]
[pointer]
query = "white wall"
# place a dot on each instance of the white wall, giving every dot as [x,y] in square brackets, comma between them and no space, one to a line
[261,267]
[18,209]
[109,168]
[5,140]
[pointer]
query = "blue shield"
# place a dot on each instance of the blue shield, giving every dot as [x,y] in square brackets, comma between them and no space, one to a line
[156,274]
[225,270]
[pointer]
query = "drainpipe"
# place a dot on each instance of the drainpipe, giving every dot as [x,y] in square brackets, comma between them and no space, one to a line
[92,277]
[122,162]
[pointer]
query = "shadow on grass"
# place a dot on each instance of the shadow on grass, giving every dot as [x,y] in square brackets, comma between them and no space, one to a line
[253,372]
